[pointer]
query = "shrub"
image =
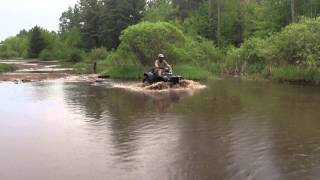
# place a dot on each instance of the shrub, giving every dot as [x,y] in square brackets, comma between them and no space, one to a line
[296,44]
[46,54]
[98,54]
[75,56]
[8,53]
[141,43]
[145,40]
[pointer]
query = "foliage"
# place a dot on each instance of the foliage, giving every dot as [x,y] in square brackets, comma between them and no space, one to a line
[97,54]
[75,55]
[296,74]
[7,68]
[14,47]
[297,44]
[255,35]
[160,10]
[101,21]
[145,40]
[184,7]
[142,43]
[37,42]
[6,53]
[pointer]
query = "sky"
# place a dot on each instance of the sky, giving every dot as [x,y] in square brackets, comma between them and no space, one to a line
[16,15]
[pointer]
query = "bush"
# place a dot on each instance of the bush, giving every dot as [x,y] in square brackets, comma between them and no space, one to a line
[124,72]
[299,43]
[141,43]
[46,54]
[98,54]
[296,44]
[8,53]
[144,41]
[7,68]
[75,56]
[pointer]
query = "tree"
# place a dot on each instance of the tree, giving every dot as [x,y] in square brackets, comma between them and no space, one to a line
[293,10]
[186,6]
[210,18]
[117,16]
[91,11]
[160,10]
[218,21]
[36,43]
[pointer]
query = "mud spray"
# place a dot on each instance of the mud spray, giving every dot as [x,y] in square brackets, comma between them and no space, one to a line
[184,85]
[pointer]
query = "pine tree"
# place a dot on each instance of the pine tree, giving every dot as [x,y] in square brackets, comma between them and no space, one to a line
[37,42]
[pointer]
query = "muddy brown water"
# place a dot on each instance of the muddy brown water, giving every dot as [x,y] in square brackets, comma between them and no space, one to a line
[233,130]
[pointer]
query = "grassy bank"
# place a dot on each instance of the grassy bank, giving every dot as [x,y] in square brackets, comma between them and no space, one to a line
[136,72]
[290,73]
[192,72]
[7,68]
[296,74]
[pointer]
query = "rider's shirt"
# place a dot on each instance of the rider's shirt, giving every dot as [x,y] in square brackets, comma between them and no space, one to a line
[162,64]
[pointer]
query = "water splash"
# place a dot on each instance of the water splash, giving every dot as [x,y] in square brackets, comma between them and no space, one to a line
[185,85]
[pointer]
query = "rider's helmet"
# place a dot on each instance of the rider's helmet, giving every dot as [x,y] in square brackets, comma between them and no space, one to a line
[161,57]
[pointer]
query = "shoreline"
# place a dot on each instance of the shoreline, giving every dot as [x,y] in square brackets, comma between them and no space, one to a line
[29,70]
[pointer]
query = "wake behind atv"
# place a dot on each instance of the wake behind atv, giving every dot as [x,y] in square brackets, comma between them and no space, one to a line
[152,77]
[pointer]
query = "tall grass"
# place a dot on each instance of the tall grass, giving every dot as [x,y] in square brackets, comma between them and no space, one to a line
[192,72]
[295,73]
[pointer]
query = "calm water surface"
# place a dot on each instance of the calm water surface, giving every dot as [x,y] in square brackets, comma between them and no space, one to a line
[231,130]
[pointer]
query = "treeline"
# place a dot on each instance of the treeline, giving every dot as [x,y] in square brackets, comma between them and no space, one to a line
[232,36]
[40,43]
[225,22]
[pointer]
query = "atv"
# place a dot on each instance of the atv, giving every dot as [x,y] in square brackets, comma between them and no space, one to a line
[152,77]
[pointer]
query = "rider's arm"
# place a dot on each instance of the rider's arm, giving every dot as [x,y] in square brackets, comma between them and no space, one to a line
[168,65]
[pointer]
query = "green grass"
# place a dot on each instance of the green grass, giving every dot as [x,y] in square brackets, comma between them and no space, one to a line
[295,73]
[7,68]
[192,72]
[136,72]
[124,72]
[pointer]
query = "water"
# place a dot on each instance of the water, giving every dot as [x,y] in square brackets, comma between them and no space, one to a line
[231,130]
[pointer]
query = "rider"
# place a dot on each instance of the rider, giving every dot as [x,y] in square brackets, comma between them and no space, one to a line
[161,64]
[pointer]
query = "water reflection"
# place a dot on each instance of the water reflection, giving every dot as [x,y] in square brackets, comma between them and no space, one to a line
[130,118]
[231,130]
[232,124]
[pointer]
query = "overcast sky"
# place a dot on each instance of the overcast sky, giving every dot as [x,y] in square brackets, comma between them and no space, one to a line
[24,14]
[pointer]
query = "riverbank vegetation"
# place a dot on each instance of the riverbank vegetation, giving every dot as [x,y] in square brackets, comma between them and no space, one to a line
[276,39]
[7,68]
